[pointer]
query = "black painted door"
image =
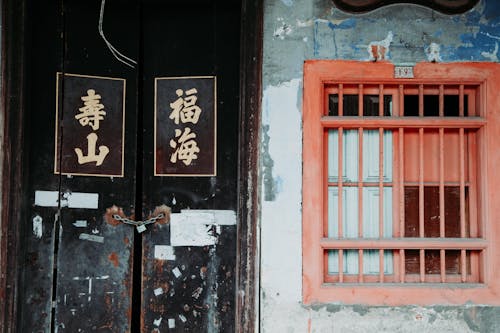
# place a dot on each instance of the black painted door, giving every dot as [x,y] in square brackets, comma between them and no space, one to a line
[105,127]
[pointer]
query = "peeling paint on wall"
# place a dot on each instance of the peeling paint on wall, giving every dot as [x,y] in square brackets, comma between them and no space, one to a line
[267,167]
[492,56]
[283,29]
[281,229]
[433,52]
[379,50]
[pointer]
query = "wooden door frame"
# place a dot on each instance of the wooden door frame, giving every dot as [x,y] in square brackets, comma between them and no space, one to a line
[12,169]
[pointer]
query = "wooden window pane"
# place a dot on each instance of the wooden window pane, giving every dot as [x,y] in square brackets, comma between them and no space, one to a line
[433,262]
[452,211]
[453,261]
[350,263]
[349,209]
[371,156]
[411,211]
[350,158]
[371,198]
[431,211]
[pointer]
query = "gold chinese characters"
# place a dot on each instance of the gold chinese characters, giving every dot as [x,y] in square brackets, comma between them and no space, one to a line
[90,115]
[185,110]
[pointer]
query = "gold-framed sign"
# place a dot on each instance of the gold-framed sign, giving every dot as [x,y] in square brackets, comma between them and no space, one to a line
[90,125]
[185,126]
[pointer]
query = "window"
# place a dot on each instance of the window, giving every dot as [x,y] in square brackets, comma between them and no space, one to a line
[399,200]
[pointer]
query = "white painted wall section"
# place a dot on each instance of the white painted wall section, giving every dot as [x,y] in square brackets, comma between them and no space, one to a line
[281,253]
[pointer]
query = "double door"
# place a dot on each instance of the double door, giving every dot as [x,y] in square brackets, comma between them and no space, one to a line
[132,137]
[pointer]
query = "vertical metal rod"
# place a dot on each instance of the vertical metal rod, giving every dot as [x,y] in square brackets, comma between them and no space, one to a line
[463,264]
[360,266]
[381,100]
[463,254]
[341,266]
[472,217]
[462,201]
[421,182]
[442,222]
[421,200]
[442,217]
[402,266]
[360,183]
[420,100]
[381,199]
[381,265]
[360,202]
[422,265]
[462,182]
[340,183]
[401,183]
[360,100]
[381,107]
[441,100]
[442,268]
[381,182]
[341,100]
[401,101]
[461,108]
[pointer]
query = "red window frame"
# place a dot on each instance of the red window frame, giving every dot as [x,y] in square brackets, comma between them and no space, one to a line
[319,75]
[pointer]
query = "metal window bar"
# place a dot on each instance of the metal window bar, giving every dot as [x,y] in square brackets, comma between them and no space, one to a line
[360,182]
[381,197]
[462,201]
[402,266]
[340,181]
[381,182]
[442,217]
[421,180]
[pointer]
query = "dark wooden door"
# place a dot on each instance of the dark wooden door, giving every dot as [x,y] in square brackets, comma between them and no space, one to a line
[102,82]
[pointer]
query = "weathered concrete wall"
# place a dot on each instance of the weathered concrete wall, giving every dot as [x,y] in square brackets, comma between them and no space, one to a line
[295,30]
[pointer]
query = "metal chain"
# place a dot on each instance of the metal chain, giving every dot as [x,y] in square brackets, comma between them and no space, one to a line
[138,223]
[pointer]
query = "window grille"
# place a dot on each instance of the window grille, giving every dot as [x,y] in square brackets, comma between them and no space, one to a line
[402,183]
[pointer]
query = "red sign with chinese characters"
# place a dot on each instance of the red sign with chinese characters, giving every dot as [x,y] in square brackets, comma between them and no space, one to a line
[90,121]
[185,126]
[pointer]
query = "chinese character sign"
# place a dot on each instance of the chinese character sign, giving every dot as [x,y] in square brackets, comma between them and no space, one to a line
[185,126]
[90,125]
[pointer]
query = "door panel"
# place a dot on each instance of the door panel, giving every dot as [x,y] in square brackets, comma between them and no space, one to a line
[94,259]
[77,266]
[195,291]
[79,261]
